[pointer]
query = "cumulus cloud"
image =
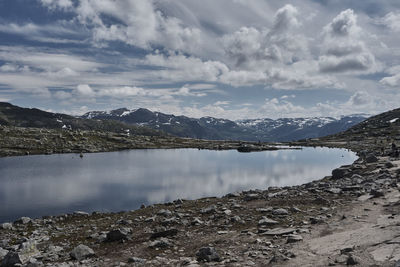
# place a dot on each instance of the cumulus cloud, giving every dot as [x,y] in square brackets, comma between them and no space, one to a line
[394,79]
[343,49]
[391,20]
[137,23]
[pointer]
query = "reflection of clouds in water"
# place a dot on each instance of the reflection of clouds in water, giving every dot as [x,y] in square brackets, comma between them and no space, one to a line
[124,178]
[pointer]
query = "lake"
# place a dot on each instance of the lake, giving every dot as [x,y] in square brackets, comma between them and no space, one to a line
[41,185]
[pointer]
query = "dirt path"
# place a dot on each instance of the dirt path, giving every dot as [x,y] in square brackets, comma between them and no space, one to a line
[369,230]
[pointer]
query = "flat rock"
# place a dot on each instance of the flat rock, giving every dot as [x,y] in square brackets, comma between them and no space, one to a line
[292,238]
[81,252]
[266,221]
[280,231]
[166,233]
[6,226]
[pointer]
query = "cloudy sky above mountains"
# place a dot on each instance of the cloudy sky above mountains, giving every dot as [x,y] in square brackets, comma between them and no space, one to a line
[228,58]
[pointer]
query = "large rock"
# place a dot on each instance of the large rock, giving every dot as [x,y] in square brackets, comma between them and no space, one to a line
[3,253]
[116,235]
[281,212]
[207,254]
[371,158]
[81,252]
[339,173]
[11,259]
[294,238]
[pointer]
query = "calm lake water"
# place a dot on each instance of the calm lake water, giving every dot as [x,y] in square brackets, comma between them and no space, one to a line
[49,185]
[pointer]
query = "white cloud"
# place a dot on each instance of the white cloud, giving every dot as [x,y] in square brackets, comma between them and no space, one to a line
[391,20]
[54,4]
[84,90]
[344,51]
[394,79]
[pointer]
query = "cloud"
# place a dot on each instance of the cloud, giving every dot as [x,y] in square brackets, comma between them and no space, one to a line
[84,90]
[57,4]
[344,51]
[391,20]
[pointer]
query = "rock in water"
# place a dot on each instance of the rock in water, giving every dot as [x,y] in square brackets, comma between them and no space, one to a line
[81,252]
[207,254]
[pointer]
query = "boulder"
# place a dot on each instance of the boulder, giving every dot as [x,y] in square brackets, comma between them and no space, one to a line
[207,254]
[81,252]
[371,158]
[23,220]
[281,212]
[116,235]
[294,238]
[339,173]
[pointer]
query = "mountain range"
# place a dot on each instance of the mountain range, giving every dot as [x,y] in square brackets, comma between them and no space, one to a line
[265,130]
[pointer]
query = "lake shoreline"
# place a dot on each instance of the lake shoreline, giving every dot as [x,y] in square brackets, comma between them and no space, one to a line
[276,226]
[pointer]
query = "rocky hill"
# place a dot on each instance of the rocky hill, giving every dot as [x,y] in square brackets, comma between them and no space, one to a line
[11,115]
[265,130]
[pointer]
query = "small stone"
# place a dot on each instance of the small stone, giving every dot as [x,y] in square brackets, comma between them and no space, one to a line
[294,238]
[196,221]
[116,235]
[207,254]
[81,252]
[266,221]
[136,260]
[280,231]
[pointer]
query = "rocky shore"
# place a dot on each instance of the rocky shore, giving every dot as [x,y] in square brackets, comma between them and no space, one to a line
[348,218]
[17,141]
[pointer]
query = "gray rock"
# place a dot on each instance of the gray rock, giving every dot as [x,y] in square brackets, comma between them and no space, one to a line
[281,212]
[164,212]
[318,219]
[11,259]
[81,252]
[353,260]
[389,165]
[266,221]
[294,238]
[81,213]
[23,220]
[3,253]
[136,260]
[250,197]
[160,243]
[209,209]
[377,193]
[371,158]
[334,190]
[196,221]
[208,254]
[116,235]
[339,173]
[6,226]
[280,231]
[166,233]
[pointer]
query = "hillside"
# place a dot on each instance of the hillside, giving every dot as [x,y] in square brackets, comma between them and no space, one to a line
[11,115]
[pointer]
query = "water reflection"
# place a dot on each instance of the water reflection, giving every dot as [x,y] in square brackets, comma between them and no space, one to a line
[43,185]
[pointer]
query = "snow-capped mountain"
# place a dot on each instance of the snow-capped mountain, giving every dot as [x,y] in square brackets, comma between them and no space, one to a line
[285,129]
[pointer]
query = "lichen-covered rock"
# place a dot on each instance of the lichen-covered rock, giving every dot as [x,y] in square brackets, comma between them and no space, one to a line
[81,252]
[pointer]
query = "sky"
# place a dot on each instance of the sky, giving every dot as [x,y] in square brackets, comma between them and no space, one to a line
[231,59]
